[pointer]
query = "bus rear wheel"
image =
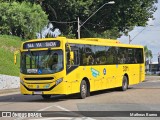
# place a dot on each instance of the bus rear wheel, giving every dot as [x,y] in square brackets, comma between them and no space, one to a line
[46,96]
[124,83]
[83,89]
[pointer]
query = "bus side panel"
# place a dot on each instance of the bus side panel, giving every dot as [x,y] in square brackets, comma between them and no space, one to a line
[134,71]
[137,73]
[95,74]
[102,76]
[111,76]
[75,77]
[142,72]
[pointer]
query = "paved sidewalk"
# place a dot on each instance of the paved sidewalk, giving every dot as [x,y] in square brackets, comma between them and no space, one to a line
[152,78]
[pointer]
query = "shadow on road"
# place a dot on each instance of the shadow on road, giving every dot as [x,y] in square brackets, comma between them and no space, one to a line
[56,98]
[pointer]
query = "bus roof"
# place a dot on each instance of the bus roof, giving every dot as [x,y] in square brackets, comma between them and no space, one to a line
[100,41]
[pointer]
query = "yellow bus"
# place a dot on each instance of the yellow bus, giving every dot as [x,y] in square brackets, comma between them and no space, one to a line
[62,66]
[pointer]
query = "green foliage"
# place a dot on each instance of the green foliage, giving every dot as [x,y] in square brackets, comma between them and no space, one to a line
[109,21]
[8,44]
[113,33]
[21,19]
[148,53]
[122,16]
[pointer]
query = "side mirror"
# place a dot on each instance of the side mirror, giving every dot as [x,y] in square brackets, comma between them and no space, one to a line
[15,56]
[71,56]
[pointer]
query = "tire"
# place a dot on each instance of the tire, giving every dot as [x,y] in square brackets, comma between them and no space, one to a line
[124,83]
[83,89]
[46,97]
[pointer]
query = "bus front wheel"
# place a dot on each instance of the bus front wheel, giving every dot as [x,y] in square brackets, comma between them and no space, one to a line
[46,96]
[83,89]
[124,83]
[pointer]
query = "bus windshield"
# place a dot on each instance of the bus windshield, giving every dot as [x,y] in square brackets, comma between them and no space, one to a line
[41,62]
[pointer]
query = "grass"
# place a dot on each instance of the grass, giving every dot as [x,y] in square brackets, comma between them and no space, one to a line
[9,44]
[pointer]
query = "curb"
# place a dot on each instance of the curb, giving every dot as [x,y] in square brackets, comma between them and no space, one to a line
[152,78]
[9,91]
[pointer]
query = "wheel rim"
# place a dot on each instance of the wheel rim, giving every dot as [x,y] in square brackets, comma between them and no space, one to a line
[83,89]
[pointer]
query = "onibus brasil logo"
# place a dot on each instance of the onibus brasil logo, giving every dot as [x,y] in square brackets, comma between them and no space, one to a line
[95,72]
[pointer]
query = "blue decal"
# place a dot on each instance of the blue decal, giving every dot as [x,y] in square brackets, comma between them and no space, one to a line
[46,86]
[95,73]
[104,71]
[116,65]
[39,71]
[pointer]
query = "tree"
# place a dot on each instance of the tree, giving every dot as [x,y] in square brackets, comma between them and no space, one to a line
[110,21]
[148,54]
[21,19]
[122,16]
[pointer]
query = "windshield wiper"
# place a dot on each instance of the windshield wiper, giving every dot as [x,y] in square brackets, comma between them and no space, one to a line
[30,53]
[31,56]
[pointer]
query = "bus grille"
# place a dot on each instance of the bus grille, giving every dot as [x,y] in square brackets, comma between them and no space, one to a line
[43,78]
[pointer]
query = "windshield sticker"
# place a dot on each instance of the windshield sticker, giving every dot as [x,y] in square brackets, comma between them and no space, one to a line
[39,71]
[32,70]
[104,71]
[95,73]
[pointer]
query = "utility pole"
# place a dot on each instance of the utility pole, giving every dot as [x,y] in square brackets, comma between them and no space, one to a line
[79,26]
[129,39]
[78,29]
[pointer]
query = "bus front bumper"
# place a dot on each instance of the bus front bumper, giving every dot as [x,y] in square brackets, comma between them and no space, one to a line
[42,89]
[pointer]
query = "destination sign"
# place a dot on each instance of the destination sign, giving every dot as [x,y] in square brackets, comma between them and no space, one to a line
[43,44]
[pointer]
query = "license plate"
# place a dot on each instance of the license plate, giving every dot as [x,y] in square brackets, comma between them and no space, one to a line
[38,92]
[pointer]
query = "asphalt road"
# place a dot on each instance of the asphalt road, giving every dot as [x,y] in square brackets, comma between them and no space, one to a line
[142,97]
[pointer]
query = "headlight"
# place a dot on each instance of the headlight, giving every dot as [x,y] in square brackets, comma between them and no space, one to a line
[21,81]
[59,81]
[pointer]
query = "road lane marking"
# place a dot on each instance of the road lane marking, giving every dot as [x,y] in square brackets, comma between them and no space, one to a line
[62,108]
[77,118]
[54,118]
[67,110]
[63,118]
[59,118]
[43,109]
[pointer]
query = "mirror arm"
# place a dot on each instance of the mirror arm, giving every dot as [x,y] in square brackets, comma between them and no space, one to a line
[69,47]
[70,62]
[15,56]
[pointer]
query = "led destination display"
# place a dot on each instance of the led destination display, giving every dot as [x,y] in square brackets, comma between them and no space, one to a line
[47,44]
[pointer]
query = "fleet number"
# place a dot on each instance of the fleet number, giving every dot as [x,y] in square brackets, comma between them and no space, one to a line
[125,68]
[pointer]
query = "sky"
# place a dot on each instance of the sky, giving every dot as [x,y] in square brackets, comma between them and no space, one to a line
[149,35]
